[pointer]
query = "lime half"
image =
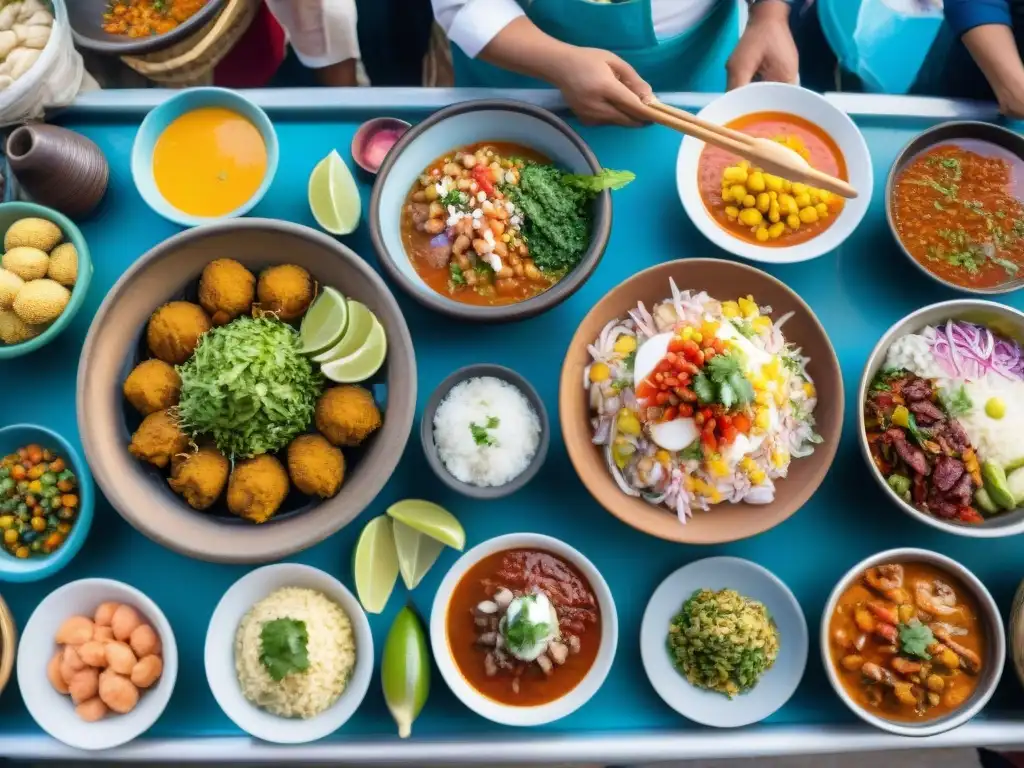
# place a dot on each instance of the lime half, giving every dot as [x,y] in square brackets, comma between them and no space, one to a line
[405,670]
[333,196]
[430,519]
[417,552]
[360,322]
[376,564]
[363,363]
[325,322]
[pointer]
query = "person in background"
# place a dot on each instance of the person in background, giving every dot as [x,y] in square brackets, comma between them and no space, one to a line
[604,55]
[323,35]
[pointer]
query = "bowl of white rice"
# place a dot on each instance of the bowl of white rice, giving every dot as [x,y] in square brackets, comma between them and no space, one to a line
[485,431]
[289,654]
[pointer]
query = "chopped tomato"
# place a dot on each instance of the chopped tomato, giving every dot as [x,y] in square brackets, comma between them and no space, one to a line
[482,176]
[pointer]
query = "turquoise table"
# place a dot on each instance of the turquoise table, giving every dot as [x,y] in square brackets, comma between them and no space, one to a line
[857,293]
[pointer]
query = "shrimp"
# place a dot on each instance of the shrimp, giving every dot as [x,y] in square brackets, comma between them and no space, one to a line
[936,597]
[883,612]
[903,690]
[905,666]
[887,580]
[969,660]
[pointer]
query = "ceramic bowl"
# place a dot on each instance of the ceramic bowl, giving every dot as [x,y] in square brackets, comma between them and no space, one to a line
[793,100]
[430,449]
[12,212]
[777,685]
[943,133]
[220,654]
[34,568]
[182,102]
[527,715]
[1010,322]
[722,280]
[86,18]
[55,712]
[1015,626]
[140,492]
[8,644]
[384,130]
[456,126]
[993,659]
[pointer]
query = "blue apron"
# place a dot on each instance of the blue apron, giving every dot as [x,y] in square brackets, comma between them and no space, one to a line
[693,60]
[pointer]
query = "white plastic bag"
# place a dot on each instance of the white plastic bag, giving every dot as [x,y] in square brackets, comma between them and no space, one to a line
[53,81]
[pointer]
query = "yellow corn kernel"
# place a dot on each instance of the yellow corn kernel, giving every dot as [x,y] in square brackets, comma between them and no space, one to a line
[735,173]
[715,497]
[906,612]
[808,215]
[758,382]
[625,344]
[774,211]
[813,194]
[787,204]
[730,309]
[764,203]
[780,458]
[757,476]
[628,422]
[777,227]
[749,201]
[802,201]
[689,483]
[750,217]
[687,333]
[822,210]
[772,368]
[697,337]
[761,235]
[793,221]
[762,323]
[755,182]
[748,306]
[800,189]
[745,165]
[738,192]
[732,211]
[772,182]
[825,196]
[809,389]
[718,467]
[762,418]
[599,372]
[663,457]
[787,186]
[780,398]
[709,329]
[762,397]
[747,463]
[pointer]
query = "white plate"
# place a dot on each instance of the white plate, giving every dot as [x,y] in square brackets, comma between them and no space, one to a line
[220,654]
[54,712]
[776,686]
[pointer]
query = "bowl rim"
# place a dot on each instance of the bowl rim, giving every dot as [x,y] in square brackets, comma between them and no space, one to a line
[921,142]
[991,618]
[535,305]
[402,418]
[8,643]
[141,158]
[806,251]
[43,567]
[878,355]
[427,430]
[369,128]
[138,46]
[72,234]
[569,702]
[145,605]
[567,417]
[283,575]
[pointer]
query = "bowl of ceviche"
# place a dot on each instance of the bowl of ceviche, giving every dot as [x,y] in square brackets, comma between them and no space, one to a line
[492,211]
[763,217]
[701,401]
[941,414]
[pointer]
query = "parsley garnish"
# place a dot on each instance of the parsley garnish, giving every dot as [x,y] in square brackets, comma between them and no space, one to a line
[722,381]
[957,402]
[694,451]
[521,632]
[283,647]
[453,197]
[456,274]
[629,360]
[915,638]
[480,436]
[882,379]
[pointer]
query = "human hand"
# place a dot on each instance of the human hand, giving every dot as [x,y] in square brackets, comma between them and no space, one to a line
[1011,101]
[766,48]
[600,87]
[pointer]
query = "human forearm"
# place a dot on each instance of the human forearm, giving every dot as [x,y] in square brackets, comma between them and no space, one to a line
[995,50]
[523,48]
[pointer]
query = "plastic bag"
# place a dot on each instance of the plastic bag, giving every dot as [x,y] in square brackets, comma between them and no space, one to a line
[53,81]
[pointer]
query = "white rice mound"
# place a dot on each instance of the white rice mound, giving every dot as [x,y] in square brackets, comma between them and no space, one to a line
[331,648]
[515,438]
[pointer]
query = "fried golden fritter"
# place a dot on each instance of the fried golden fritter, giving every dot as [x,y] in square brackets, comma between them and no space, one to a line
[199,476]
[286,290]
[226,290]
[347,415]
[158,439]
[315,466]
[174,331]
[152,386]
[257,488]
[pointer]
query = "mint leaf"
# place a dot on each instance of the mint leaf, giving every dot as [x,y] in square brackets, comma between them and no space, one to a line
[283,647]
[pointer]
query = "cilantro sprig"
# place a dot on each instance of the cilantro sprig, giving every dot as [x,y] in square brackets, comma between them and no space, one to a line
[283,647]
[522,633]
[722,381]
[480,434]
[915,638]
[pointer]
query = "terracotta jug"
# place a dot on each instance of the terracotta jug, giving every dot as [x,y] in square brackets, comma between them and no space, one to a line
[58,168]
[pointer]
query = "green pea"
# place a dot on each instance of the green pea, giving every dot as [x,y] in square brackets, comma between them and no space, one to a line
[37,545]
[55,502]
[48,478]
[23,486]
[8,505]
[6,484]
[5,472]
[24,511]
[67,474]
[995,407]
[52,521]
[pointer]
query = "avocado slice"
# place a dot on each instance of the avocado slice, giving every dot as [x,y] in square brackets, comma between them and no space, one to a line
[995,485]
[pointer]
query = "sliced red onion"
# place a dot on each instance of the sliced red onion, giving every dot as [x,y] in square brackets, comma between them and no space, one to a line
[440,240]
[972,351]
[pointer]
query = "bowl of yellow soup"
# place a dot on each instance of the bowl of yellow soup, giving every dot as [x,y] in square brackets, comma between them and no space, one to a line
[204,155]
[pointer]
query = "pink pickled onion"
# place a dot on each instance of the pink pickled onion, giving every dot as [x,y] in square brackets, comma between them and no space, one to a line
[971,351]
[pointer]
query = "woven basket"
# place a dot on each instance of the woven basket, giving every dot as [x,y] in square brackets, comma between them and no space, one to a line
[192,61]
[1016,627]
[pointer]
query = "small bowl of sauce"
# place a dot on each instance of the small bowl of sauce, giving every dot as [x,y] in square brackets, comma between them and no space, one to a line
[374,139]
[204,155]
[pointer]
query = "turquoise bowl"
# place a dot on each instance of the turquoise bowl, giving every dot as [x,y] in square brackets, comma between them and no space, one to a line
[157,121]
[12,212]
[35,568]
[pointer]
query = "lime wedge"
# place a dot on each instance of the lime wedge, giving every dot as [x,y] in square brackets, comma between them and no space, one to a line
[405,670]
[375,564]
[430,519]
[363,363]
[325,322]
[334,196]
[360,322]
[416,553]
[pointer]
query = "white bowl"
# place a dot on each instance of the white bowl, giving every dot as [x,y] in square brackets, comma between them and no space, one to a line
[708,707]
[544,713]
[794,100]
[54,712]
[220,654]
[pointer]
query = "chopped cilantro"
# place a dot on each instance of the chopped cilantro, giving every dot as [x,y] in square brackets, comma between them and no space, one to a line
[629,360]
[915,638]
[521,633]
[694,451]
[882,379]
[722,381]
[480,435]
[456,274]
[453,197]
[283,647]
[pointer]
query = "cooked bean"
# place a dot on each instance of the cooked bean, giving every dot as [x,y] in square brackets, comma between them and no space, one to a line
[505,273]
[93,653]
[935,683]
[451,169]
[430,193]
[523,250]
[144,641]
[853,662]
[463,185]
[436,210]
[420,197]
[468,160]
[117,692]
[463,261]
[54,676]
[470,276]
[531,271]
[501,249]
[84,685]
[462,242]
[481,246]
[75,631]
[434,227]
[514,259]
[120,658]
[518,270]
[124,622]
[497,227]
[147,671]
[105,614]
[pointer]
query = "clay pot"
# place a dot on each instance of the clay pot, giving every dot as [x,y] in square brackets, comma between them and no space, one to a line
[58,168]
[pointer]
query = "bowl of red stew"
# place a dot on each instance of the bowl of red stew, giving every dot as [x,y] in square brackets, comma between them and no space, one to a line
[953,200]
[524,629]
[491,211]
[763,217]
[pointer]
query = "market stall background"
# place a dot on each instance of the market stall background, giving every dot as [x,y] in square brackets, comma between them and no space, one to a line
[858,291]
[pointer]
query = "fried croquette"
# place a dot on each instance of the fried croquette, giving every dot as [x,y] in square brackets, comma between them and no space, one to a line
[257,487]
[315,466]
[158,439]
[347,415]
[226,290]
[175,329]
[199,476]
[286,290]
[152,386]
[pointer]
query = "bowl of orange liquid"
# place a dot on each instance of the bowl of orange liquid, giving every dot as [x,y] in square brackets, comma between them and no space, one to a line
[204,155]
